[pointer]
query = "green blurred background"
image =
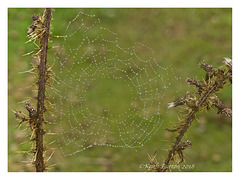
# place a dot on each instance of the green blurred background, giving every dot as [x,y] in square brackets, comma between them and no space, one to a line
[179,37]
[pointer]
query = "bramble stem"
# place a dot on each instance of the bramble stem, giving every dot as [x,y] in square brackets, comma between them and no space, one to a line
[39,163]
[211,89]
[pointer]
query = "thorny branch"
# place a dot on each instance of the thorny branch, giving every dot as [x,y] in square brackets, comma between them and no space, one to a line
[40,164]
[205,98]
[39,30]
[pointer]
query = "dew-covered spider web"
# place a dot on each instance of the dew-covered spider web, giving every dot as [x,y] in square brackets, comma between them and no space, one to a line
[105,94]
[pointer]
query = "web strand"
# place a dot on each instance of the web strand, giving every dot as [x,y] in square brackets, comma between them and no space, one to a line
[104,94]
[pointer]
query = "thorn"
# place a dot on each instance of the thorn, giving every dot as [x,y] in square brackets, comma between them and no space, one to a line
[33,131]
[50,156]
[48,133]
[28,71]
[51,142]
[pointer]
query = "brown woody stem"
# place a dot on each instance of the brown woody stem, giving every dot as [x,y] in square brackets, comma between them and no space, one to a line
[190,117]
[39,162]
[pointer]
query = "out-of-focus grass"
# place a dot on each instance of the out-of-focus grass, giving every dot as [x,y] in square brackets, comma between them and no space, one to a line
[179,37]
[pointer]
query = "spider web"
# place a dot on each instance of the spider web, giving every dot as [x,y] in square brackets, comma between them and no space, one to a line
[105,94]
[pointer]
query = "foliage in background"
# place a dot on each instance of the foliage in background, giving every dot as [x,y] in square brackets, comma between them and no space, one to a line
[180,37]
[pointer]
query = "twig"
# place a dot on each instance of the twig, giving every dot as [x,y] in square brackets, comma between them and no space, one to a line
[39,30]
[39,163]
[206,97]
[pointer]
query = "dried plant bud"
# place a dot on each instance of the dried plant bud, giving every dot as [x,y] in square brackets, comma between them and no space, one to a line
[31,29]
[199,84]
[227,111]
[180,147]
[37,20]
[228,62]
[191,103]
[171,105]
[36,17]
[177,102]
[222,108]
[183,145]
[31,110]
[207,67]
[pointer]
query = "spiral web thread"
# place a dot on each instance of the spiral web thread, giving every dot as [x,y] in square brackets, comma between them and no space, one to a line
[104,94]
